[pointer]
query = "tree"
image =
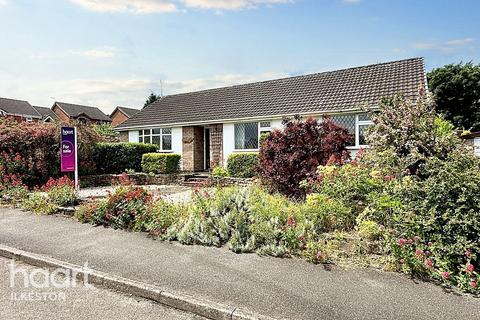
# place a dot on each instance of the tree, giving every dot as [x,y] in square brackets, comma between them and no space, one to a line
[456,89]
[151,99]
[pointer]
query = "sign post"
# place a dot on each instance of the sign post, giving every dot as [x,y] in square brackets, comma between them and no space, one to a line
[68,152]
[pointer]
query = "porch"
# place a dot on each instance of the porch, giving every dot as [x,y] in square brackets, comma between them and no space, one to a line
[202,147]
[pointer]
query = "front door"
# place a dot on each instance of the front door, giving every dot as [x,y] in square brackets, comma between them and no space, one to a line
[207,149]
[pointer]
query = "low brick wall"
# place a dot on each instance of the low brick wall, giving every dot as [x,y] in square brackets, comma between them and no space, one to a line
[227,181]
[103,180]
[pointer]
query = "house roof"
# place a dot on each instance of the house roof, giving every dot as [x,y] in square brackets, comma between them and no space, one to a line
[129,112]
[75,110]
[325,92]
[18,107]
[45,112]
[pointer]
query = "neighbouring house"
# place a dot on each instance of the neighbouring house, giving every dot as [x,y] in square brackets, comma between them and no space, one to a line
[19,110]
[47,114]
[207,126]
[473,139]
[85,114]
[122,114]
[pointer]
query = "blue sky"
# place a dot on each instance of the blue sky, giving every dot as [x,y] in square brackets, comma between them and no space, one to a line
[115,52]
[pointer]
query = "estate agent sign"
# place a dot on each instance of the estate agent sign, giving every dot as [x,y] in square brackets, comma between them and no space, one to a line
[68,151]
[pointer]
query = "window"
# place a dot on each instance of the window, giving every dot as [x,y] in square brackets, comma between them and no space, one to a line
[356,124]
[160,137]
[29,119]
[246,136]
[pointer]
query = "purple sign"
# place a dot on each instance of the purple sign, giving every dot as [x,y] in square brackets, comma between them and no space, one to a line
[67,149]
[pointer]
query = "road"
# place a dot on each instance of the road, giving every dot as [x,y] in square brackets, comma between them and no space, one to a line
[79,302]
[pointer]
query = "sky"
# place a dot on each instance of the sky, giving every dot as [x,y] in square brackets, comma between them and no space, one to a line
[110,53]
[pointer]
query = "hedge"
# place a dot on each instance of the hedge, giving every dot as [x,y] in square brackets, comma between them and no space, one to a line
[113,158]
[160,162]
[242,165]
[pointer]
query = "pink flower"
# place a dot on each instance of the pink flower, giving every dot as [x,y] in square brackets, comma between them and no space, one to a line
[419,252]
[429,263]
[291,221]
[402,261]
[319,256]
[430,243]
[409,241]
[445,275]
[473,284]
[416,239]
[401,242]
[427,253]
[468,253]
[470,268]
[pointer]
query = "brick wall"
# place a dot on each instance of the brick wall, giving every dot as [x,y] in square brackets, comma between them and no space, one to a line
[216,145]
[193,149]
[118,118]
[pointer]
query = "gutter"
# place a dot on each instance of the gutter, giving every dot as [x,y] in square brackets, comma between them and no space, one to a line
[271,117]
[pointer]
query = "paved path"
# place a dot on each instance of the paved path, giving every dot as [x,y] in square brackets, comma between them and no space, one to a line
[171,192]
[281,288]
[75,302]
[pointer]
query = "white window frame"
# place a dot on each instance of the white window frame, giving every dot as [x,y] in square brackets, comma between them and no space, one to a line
[359,123]
[141,138]
[260,130]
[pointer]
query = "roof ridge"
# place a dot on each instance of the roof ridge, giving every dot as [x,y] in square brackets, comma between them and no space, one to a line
[80,105]
[15,100]
[292,77]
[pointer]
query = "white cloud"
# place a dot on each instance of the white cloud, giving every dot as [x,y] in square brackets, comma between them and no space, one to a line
[165,6]
[3,3]
[130,92]
[459,42]
[447,46]
[136,6]
[100,53]
[231,4]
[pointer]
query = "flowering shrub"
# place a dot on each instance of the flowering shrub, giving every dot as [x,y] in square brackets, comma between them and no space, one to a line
[293,154]
[12,171]
[39,203]
[61,191]
[120,209]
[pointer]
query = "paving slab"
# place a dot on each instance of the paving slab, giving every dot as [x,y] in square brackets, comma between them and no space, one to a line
[279,288]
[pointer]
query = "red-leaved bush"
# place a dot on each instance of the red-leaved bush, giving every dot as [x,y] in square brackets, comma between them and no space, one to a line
[293,154]
[39,143]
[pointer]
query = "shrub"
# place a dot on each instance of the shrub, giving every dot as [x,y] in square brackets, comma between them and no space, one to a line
[39,203]
[219,172]
[293,154]
[242,165]
[38,144]
[61,191]
[121,208]
[369,230]
[160,162]
[160,216]
[327,214]
[118,157]
[12,171]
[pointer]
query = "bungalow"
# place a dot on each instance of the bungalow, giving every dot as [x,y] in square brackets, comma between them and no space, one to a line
[19,110]
[122,114]
[207,126]
[90,115]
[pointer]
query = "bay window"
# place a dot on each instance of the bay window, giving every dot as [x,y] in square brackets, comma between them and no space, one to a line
[160,137]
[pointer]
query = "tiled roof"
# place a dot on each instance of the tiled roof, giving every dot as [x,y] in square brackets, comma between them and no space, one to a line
[129,112]
[18,107]
[45,112]
[75,110]
[333,91]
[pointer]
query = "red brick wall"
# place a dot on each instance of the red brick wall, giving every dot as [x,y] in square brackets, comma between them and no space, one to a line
[216,145]
[118,118]
[193,149]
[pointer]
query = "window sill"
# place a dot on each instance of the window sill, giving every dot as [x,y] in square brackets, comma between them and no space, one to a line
[246,150]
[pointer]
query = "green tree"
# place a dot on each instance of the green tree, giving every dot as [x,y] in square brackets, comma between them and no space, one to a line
[151,99]
[456,88]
